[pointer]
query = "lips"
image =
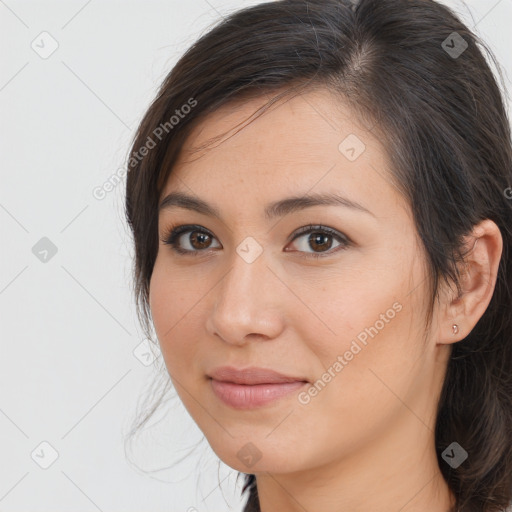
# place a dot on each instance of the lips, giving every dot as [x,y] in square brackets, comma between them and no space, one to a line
[252,376]
[252,387]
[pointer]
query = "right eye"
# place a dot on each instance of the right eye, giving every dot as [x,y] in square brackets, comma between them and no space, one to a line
[199,242]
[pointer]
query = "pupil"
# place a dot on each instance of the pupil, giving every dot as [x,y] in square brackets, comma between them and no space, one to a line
[199,237]
[319,236]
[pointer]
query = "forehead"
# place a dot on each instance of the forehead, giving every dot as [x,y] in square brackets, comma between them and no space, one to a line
[309,142]
[312,120]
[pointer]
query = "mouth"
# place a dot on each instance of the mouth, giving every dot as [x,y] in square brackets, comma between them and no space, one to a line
[252,387]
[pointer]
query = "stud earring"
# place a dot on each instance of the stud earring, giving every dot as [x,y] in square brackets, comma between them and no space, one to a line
[455,328]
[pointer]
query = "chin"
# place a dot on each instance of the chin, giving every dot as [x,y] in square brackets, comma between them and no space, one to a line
[257,456]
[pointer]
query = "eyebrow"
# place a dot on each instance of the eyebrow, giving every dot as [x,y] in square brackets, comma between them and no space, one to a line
[276,209]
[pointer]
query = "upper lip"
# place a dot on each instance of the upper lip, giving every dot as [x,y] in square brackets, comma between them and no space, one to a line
[251,375]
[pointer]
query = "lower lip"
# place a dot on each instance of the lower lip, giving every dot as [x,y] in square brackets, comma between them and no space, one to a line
[243,396]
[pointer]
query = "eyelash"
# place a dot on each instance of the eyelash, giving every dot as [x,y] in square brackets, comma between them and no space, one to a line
[173,233]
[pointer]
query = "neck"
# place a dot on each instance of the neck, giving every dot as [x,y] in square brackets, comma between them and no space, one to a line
[393,473]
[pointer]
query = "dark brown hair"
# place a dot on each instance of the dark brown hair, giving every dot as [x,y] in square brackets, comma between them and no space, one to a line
[419,78]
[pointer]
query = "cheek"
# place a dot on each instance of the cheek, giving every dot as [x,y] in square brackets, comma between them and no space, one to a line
[341,305]
[361,327]
[361,372]
[172,310]
[173,293]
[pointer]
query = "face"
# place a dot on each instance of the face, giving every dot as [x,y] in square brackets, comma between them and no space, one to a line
[331,294]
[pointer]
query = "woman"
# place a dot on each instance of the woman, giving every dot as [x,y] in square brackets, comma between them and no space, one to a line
[321,208]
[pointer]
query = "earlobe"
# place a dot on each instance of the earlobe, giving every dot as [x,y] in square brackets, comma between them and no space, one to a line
[481,262]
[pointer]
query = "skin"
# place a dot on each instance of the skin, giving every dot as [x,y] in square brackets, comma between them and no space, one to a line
[366,440]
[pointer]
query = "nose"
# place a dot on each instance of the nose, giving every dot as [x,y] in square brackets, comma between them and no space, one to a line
[248,302]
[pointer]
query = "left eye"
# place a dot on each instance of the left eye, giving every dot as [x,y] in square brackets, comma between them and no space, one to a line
[319,238]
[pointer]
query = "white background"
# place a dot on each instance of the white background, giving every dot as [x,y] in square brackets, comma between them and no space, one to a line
[69,375]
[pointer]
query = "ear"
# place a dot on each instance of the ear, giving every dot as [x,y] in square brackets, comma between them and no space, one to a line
[483,248]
